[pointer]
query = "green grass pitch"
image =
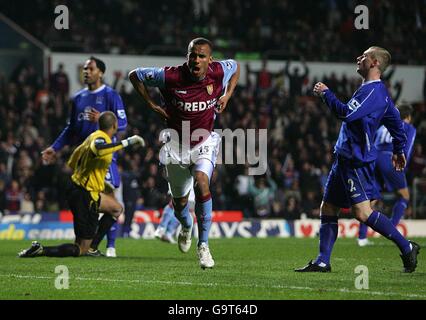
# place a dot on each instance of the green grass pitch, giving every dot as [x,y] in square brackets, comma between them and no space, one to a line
[249,269]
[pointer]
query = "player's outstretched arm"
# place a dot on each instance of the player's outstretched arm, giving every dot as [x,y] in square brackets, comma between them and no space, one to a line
[223,100]
[100,148]
[48,155]
[66,135]
[141,90]
[358,107]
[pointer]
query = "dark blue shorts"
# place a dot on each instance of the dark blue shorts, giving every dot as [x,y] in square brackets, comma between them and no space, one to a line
[387,176]
[349,183]
[112,175]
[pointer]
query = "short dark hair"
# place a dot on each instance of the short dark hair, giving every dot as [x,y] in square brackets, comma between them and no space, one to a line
[200,41]
[99,63]
[405,110]
[107,120]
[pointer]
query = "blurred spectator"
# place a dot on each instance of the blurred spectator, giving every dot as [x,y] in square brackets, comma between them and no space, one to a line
[4,176]
[424,88]
[311,204]
[242,182]
[59,83]
[219,198]
[292,210]
[418,162]
[40,202]
[13,197]
[296,78]
[2,196]
[278,204]
[290,174]
[262,190]
[201,9]
[131,193]
[27,205]
[153,197]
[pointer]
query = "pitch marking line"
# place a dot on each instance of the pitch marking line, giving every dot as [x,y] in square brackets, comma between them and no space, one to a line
[185,283]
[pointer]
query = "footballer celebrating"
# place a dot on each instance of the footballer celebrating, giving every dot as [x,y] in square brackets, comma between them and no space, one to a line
[193,93]
[351,181]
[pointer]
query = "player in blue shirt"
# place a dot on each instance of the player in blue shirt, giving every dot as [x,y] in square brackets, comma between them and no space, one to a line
[86,107]
[351,182]
[393,181]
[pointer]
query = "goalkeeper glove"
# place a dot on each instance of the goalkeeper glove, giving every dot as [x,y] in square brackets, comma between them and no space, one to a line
[133,140]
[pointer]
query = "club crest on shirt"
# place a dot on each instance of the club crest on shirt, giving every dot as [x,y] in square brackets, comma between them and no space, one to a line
[209,89]
[353,104]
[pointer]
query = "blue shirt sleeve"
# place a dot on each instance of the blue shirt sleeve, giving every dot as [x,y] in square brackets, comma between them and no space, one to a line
[229,68]
[411,137]
[65,136]
[151,77]
[362,103]
[118,108]
[392,121]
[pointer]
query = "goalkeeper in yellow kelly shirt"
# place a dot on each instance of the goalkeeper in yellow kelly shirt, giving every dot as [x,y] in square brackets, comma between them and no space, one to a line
[90,162]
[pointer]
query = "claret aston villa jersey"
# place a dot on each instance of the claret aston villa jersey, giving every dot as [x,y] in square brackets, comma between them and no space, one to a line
[189,100]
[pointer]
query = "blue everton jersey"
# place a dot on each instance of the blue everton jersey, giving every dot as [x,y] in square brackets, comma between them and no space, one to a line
[79,127]
[384,139]
[369,107]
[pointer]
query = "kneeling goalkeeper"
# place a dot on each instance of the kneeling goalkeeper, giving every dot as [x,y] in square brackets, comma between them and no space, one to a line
[90,162]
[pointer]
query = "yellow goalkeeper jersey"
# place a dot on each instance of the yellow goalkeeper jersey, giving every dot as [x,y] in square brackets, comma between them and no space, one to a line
[90,162]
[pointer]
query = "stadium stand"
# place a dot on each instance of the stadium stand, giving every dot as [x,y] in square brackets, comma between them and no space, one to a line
[276,28]
[34,109]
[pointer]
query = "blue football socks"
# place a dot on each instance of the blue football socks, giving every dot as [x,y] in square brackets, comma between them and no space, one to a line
[184,217]
[328,234]
[362,231]
[203,211]
[172,226]
[381,224]
[168,214]
[398,210]
[112,235]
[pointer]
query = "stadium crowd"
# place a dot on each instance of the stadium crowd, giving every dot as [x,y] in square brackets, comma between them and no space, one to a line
[277,28]
[301,135]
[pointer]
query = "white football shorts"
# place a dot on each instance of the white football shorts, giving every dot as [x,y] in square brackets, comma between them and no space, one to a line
[181,165]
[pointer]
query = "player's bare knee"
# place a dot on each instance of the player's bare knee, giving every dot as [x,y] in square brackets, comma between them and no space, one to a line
[328,209]
[360,215]
[403,194]
[117,211]
[201,186]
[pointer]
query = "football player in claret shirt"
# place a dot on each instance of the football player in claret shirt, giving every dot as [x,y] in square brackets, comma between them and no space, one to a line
[193,93]
[86,107]
[386,175]
[90,162]
[351,182]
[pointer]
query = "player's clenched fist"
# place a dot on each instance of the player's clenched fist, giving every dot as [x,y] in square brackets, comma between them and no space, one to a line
[319,88]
